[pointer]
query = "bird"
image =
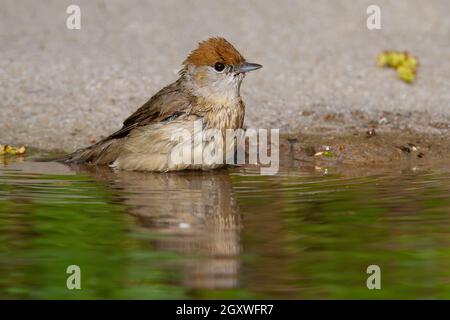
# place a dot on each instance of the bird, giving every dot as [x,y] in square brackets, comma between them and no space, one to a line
[207,92]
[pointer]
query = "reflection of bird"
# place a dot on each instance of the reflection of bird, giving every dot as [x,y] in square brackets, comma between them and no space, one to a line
[208,89]
[196,210]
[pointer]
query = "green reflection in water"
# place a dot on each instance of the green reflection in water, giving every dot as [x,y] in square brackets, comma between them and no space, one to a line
[50,222]
[295,235]
[318,235]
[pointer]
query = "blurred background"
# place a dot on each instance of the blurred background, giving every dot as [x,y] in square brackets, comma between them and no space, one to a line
[63,89]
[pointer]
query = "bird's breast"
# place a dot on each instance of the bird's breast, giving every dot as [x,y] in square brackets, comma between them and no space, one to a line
[224,117]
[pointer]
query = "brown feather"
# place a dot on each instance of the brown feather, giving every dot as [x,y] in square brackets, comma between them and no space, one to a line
[214,50]
[171,101]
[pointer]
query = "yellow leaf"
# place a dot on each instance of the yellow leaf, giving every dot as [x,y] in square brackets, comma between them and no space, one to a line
[406,74]
[7,149]
[411,63]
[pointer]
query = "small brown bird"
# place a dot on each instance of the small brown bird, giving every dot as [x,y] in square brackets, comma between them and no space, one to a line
[208,89]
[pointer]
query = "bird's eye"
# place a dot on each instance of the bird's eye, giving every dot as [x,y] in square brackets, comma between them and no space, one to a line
[219,66]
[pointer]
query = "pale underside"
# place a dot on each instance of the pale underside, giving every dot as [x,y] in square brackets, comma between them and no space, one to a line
[172,146]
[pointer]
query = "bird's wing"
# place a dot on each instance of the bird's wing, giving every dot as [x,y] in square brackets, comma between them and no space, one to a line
[169,102]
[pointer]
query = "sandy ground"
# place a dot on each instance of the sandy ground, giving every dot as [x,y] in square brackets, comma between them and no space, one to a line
[63,89]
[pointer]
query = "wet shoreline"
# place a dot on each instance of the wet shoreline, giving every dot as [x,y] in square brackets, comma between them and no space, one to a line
[357,152]
[366,151]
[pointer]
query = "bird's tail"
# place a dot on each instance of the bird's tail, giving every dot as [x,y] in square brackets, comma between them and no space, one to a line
[103,152]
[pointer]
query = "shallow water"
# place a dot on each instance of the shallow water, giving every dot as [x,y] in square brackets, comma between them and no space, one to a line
[225,234]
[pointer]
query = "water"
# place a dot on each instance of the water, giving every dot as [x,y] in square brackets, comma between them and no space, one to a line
[224,234]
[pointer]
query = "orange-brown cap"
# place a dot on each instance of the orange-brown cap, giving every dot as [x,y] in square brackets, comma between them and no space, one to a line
[214,50]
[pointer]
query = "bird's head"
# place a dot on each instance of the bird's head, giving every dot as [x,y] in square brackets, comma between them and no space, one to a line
[215,70]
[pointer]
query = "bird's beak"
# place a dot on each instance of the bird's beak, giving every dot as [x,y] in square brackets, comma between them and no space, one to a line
[246,67]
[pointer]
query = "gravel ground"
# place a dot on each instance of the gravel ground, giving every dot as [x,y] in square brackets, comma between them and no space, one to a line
[63,89]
